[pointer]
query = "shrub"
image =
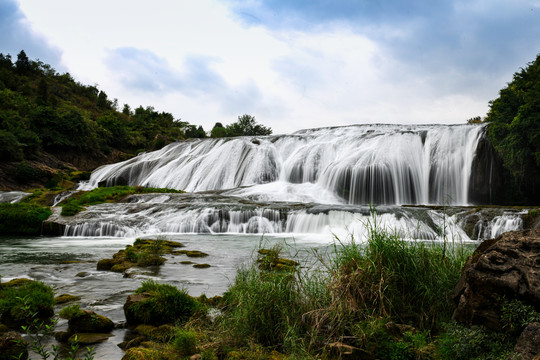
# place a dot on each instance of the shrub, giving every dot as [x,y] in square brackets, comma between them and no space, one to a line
[459,342]
[20,304]
[167,304]
[22,219]
[185,342]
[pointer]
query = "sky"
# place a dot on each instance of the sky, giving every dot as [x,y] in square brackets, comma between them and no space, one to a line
[293,64]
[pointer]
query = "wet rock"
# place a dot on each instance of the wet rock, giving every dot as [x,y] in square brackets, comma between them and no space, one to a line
[508,266]
[87,321]
[89,338]
[528,344]
[62,336]
[105,264]
[129,308]
[201,266]
[124,345]
[16,282]
[66,298]
[12,346]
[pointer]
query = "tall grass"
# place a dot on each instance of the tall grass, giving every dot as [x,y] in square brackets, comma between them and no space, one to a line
[385,279]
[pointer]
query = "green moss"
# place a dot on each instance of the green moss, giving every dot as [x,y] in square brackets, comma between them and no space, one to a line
[22,219]
[101,195]
[65,298]
[185,342]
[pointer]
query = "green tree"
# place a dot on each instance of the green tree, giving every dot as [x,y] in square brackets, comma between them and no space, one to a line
[514,128]
[22,64]
[218,131]
[246,125]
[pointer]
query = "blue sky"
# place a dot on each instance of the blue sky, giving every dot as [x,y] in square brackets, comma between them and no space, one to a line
[292,64]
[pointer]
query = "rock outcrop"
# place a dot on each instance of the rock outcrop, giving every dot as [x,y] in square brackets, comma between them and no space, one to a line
[508,266]
[528,344]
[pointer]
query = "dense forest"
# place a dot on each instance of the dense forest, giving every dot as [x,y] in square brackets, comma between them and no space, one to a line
[514,131]
[43,112]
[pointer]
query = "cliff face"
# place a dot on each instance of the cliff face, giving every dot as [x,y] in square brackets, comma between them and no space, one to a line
[486,185]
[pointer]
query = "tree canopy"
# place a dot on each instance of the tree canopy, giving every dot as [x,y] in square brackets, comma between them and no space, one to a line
[246,125]
[514,127]
[42,110]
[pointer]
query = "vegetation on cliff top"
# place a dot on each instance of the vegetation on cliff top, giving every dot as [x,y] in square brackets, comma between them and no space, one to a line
[514,129]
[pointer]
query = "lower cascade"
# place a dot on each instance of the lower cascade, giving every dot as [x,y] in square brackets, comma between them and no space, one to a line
[150,214]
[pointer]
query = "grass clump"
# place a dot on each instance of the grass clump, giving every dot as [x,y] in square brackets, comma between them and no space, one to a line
[22,219]
[165,305]
[185,342]
[78,201]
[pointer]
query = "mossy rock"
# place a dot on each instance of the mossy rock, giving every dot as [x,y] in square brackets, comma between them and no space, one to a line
[136,341]
[196,254]
[139,353]
[3,328]
[16,282]
[88,338]
[163,333]
[65,298]
[105,264]
[120,268]
[158,304]
[201,266]
[187,262]
[164,243]
[86,321]
[62,336]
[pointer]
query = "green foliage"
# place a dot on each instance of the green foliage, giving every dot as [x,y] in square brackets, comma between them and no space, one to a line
[515,315]
[22,219]
[514,128]
[167,304]
[45,110]
[21,304]
[246,125]
[459,342]
[100,195]
[185,342]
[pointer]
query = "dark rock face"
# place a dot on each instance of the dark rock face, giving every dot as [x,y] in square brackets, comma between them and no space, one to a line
[507,266]
[528,344]
[486,185]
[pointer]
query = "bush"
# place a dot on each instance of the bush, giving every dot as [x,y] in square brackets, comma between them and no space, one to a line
[185,342]
[459,342]
[166,305]
[22,219]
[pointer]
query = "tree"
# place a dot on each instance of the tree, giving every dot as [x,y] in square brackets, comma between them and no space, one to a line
[246,125]
[23,63]
[218,131]
[514,128]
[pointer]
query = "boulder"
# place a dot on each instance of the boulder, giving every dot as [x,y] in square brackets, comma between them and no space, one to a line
[87,321]
[89,338]
[528,344]
[508,266]
[129,312]
[12,346]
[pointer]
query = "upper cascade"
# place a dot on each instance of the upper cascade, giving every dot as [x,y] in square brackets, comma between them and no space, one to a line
[361,164]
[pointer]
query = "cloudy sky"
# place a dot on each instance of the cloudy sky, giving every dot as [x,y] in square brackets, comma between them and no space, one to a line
[292,64]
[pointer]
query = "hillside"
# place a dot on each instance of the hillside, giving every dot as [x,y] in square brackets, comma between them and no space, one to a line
[50,123]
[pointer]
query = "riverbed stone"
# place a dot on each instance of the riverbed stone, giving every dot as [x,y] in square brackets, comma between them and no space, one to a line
[66,298]
[509,267]
[528,344]
[87,321]
[89,338]
[12,346]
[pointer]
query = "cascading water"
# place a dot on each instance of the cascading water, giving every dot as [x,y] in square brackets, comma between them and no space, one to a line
[320,181]
[367,164]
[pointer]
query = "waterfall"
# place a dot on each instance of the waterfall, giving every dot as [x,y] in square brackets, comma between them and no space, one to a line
[362,164]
